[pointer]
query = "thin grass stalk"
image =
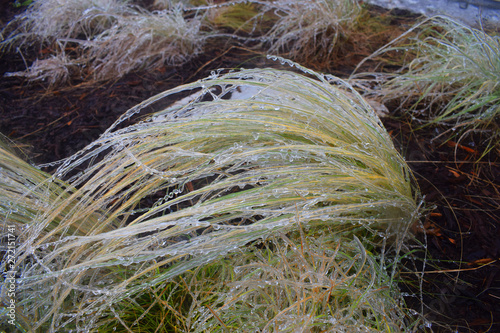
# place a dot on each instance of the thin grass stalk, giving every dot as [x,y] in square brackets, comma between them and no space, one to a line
[28,192]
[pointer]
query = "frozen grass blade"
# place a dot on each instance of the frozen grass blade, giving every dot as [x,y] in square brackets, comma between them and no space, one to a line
[195,182]
[33,202]
[28,193]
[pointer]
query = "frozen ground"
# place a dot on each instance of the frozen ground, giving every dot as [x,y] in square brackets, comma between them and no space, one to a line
[472,12]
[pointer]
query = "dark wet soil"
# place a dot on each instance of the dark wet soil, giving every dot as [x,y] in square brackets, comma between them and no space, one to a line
[460,181]
[460,230]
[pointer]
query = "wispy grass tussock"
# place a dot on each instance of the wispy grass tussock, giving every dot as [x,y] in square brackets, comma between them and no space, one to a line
[312,280]
[106,39]
[198,181]
[317,283]
[312,31]
[103,39]
[454,78]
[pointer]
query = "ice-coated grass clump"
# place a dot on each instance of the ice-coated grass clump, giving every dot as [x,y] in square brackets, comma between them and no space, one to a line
[312,31]
[199,181]
[453,79]
[319,282]
[306,281]
[106,39]
[101,39]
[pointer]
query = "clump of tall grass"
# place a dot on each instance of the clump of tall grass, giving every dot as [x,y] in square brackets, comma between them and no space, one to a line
[320,282]
[144,41]
[454,78]
[196,182]
[312,31]
[104,39]
[314,280]
[47,21]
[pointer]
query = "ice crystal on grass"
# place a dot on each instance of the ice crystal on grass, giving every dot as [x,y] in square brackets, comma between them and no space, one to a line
[200,180]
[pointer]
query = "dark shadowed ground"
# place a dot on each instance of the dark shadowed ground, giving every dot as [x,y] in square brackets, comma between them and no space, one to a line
[461,182]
